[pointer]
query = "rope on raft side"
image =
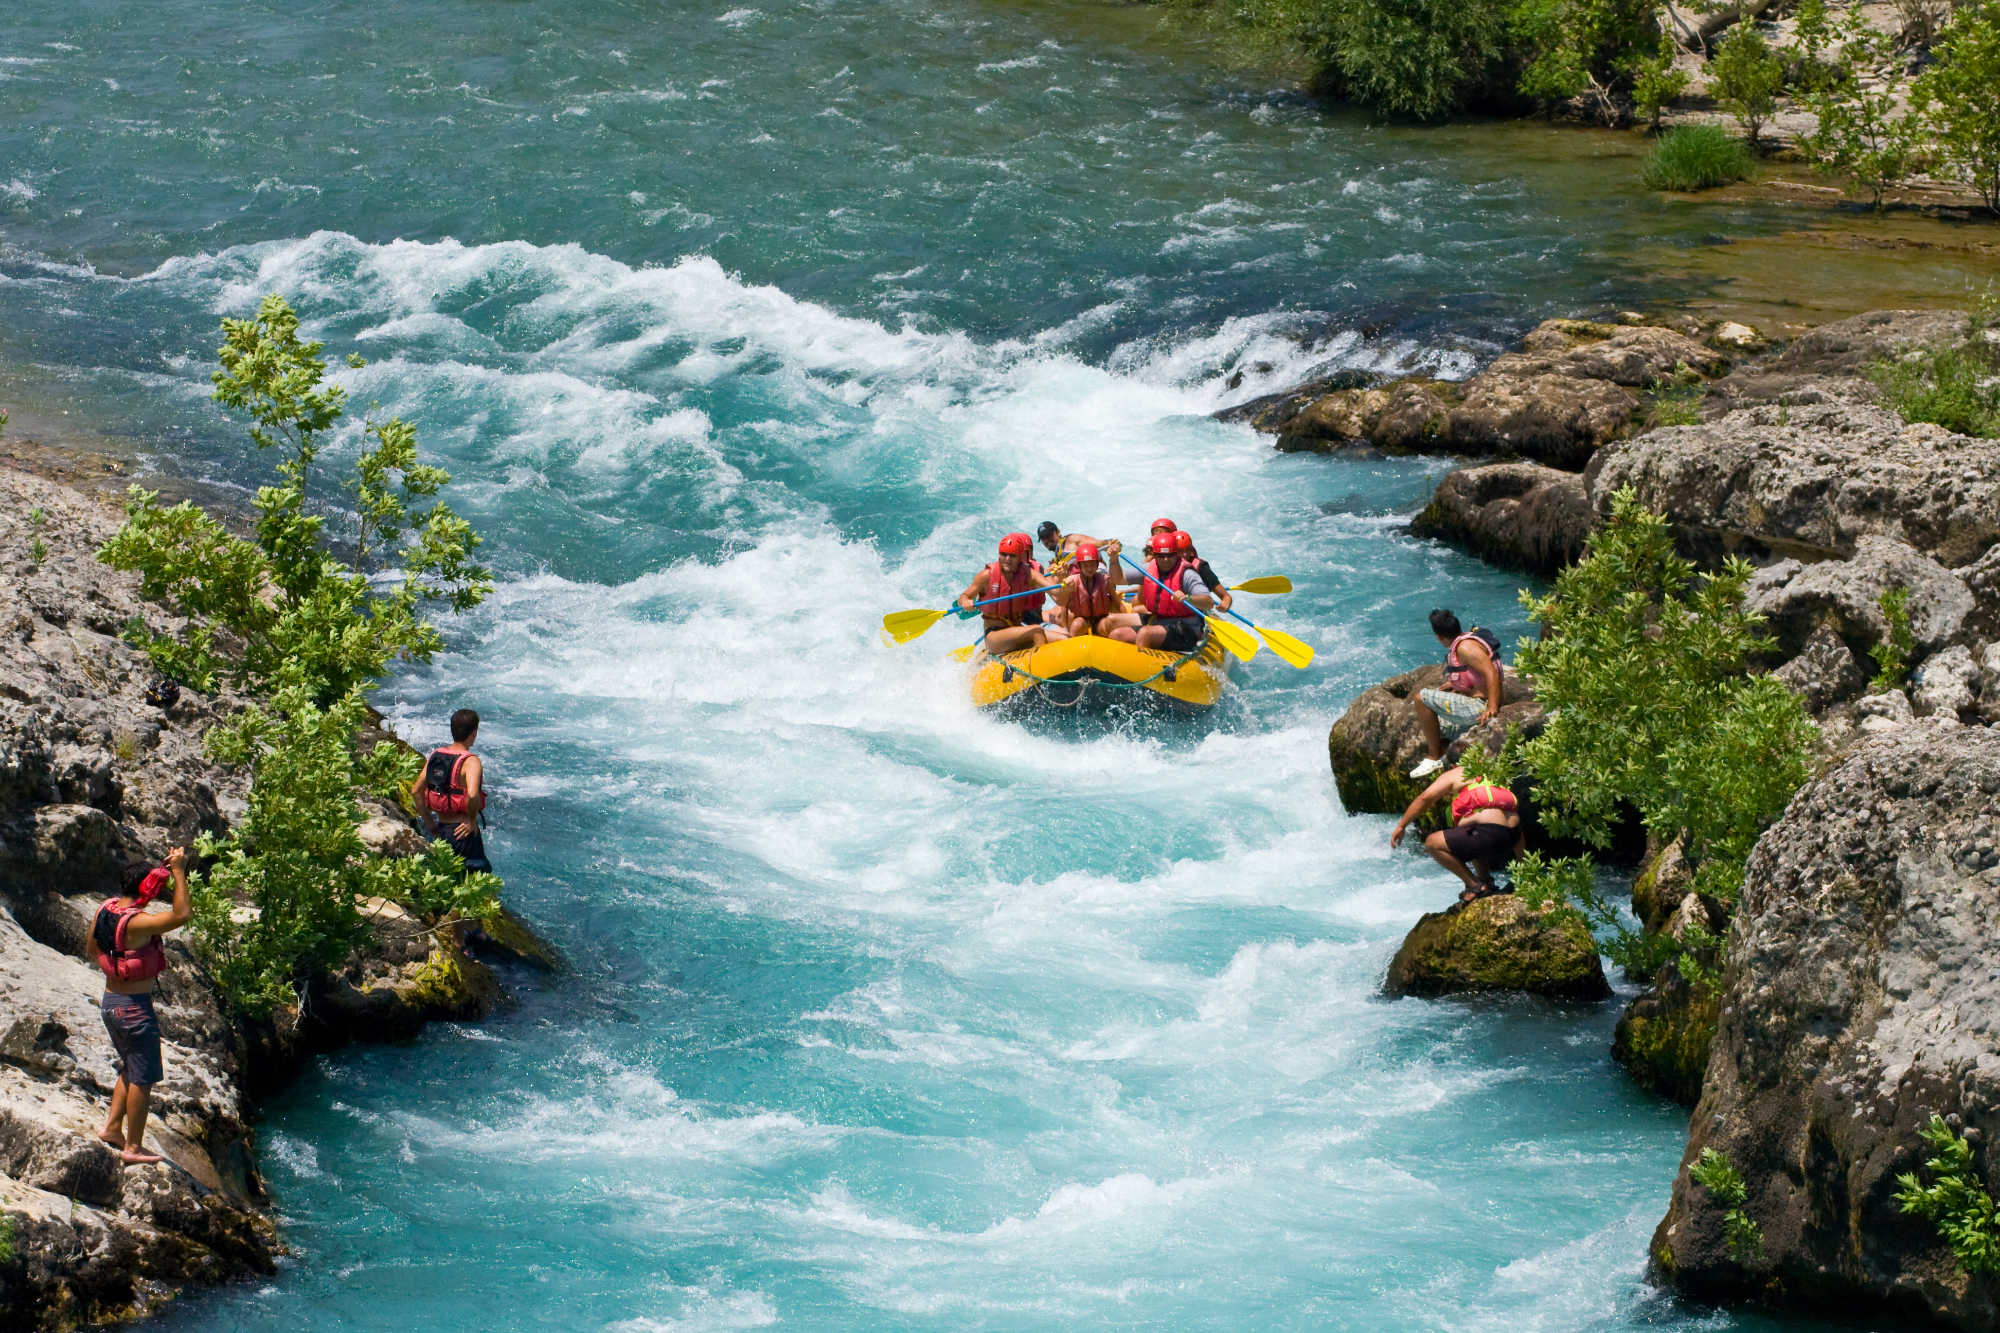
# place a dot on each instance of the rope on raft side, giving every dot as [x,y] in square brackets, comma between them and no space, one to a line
[1083,686]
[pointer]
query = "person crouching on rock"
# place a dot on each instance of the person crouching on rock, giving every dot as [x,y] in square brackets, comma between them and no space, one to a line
[1015,623]
[1486,830]
[451,794]
[129,953]
[1089,598]
[1471,693]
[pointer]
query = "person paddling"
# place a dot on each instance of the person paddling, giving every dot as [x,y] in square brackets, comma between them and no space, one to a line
[1090,602]
[1473,679]
[1486,830]
[452,793]
[1063,545]
[1171,623]
[126,937]
[1011,625]
[1185,541]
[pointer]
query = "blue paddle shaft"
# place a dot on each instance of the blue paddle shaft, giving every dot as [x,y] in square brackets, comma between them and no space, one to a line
[1141,572]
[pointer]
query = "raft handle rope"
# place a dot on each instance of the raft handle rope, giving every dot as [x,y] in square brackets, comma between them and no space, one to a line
[1009,670]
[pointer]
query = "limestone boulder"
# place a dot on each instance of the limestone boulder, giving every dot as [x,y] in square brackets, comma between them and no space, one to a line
[1644,357]
[1499,944]
[1825,671]
[1406,417]
[1560,420]
[1860,997]
[1826,364]
[1517,515]
[1844,596]
[1662,881]
[1810,483]
[1947,685]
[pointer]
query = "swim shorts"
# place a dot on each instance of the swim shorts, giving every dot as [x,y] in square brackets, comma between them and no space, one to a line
[1183,632]
[135,1036]
[1492,843]
[1455,712]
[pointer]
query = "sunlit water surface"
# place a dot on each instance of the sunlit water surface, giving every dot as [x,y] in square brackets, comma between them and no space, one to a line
[740,327]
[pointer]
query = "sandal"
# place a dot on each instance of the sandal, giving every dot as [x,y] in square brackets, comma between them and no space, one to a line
[1487,889]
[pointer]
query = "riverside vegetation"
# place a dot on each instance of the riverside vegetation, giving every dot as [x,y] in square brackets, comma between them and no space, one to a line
[307,634]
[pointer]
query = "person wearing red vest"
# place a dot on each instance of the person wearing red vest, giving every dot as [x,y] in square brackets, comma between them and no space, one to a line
[1171,620]
[1486,830]
[1016,623]
[1090,602]
[126,939]
[451,793]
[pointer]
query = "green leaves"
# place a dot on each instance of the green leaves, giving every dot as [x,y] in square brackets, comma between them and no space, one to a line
[1714,1174]
[1746,76]
[1860,134]
[1956,1202]
[1892,654]
[1955,98]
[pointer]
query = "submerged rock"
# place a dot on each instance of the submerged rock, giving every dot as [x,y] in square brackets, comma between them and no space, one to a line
[1861,996]
[1811,482]
[1499,944]
[1516,515]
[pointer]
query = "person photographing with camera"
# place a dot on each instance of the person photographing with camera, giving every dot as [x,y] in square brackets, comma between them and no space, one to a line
[127,934]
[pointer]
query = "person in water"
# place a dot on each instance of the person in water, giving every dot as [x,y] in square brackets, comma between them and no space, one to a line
[1063,545]
[1015,623]
[1172,622]
[1090,602]
[1185,541]
[1486,830]
[1473,680]
[452,792]
[126,936]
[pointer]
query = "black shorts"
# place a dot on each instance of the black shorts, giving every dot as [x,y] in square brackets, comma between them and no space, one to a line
[471,850]
[1492,843]
[1183,632]
[135,1036]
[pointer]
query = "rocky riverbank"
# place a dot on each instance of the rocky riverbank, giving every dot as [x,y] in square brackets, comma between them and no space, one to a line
[1853,998]
[95,773]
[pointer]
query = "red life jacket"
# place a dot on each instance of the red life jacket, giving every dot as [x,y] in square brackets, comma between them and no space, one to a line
[1015,609]
[1462,679]
[1166,605]
[1482,796]
[119,963]
[1091,600]
[441,792]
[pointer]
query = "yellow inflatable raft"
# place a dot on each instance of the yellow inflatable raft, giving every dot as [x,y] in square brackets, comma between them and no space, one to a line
[1100,672]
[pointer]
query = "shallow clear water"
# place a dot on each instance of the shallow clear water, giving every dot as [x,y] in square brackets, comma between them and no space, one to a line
[740,328]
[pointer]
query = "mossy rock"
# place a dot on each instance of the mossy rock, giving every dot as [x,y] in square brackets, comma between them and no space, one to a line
[1499,944]
[1375,744]
[1663,880]
[1664,1036]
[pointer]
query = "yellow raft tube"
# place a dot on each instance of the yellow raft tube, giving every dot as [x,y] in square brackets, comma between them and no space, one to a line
[1102,672]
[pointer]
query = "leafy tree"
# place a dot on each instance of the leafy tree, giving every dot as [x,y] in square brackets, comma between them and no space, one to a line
[1657,83]
[1746,76]
[1583,47]
[1649,704]
[1860,135]
[1958,98]
[1408,57]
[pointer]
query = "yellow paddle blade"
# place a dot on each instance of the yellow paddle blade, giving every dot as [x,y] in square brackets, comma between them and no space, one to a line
[963,654]
[1276,583]
[1234,639]
[1290,649]
[902,626]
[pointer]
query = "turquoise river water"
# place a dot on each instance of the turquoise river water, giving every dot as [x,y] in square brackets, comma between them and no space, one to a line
[738,328]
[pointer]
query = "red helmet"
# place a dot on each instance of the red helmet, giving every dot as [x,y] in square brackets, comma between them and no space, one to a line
[1183,541]
[1016,543]
[1087,554]
[1166,523]
[1163,544]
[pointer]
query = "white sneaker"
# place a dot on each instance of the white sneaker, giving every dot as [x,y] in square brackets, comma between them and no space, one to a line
[1428,767]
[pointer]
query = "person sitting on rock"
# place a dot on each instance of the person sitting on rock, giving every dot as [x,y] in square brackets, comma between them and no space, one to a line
[126,936]
[1063,545]
[1171,596]
[1185,541]
[450,792]
[1015,623]
[1472,688]
[1090,602]
[1486,830]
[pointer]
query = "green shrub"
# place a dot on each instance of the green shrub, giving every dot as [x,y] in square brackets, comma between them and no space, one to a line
[1957,1204]
[1746,76]
[1696,157]
[1657,83]
[1953,387]
[1955,98]
[1725,1185]
[1892,654]
[1677,407]
[1860,136]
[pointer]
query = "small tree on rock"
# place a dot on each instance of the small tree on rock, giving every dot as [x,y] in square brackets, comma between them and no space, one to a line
[1746,76]
[1958,99]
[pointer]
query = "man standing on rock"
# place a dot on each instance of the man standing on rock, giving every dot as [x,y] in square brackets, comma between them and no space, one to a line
[451,793]
[1472,692]
[129,952]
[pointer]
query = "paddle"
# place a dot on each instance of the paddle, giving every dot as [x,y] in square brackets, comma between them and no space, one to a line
[902,626]
[1284,645]
[1276,583]
[1230,637]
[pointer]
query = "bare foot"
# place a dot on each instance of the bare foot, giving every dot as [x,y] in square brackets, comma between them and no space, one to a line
[113,1137]
[138,1156]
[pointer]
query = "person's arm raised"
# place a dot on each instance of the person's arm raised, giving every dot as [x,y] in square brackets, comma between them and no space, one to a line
[159,923]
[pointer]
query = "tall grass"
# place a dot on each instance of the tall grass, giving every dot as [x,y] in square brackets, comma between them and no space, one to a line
[1954,387]
[1696,157]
